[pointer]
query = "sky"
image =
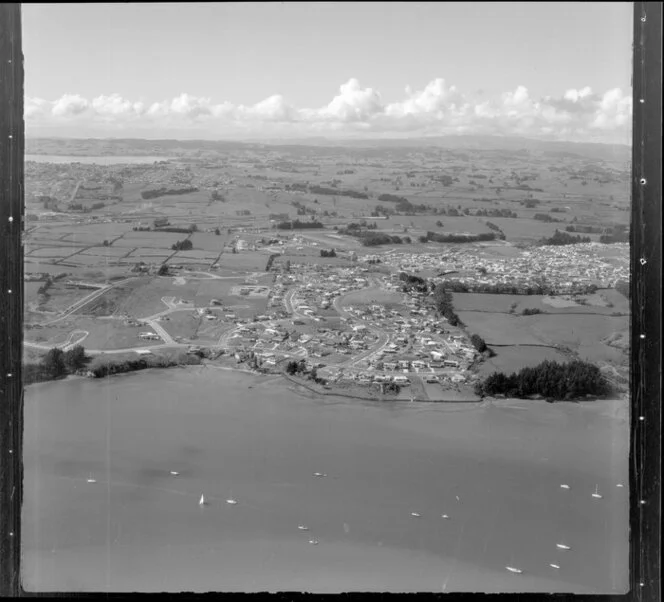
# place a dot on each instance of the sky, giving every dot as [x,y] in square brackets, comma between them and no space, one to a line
[559,70]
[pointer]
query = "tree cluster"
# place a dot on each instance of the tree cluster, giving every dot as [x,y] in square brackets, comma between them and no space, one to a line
[157,192]
[549,379]
[299,225]
[443,301]
[458,238]
[183,245]
[563,238]
[326,253]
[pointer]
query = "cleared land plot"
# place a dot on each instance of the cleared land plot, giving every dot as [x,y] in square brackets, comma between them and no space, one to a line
[512,359]
[113,334]
[182,324]
[59,298]
[112,301]
[145,300]
[252,262]
[89,260]
[30,291]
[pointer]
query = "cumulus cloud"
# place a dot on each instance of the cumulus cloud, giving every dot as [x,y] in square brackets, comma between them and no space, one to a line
[70,105]
[435,109]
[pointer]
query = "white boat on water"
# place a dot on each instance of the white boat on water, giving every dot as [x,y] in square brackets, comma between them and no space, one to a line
[415,514]
[175,473]
[444,516]
[91,480]
[511,569]
[597,494]
[554,566]
[231,501]
[202,501]
[303,527]
[562,546]
[564,486]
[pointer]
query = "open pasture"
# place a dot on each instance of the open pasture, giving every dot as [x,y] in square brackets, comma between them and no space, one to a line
[112,333]
[154,240]
[210,242]
[500,328]
[575,331]
[145,299]
[50,252]
[148,255]
[513,359]
[59,298]
[110,252]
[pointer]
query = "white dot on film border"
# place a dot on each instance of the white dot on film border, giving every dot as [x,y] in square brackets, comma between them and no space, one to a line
[11,219]
[642,336]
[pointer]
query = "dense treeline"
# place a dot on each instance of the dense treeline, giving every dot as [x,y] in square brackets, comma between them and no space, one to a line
[55,364]
[183,245]
[315,189]
[443,301]
[372,239]
[270,261]
[584,229]
[413,283]
[496,213]
[479,343]
[298,225]
[545,217]
[403,204]
[157,192]
[549,379]
[536,288]
[563,238]
[459,238]
[330,253]
[174,229]
[107,367]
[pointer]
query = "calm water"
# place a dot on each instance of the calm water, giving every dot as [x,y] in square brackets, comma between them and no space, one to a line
[495,471]
[120,160]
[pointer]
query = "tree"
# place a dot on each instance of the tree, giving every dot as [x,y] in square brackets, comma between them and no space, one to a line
[54,363]
[163,270]
[75,358]
[291,367]
[217,231]
[478,342]
[193,228]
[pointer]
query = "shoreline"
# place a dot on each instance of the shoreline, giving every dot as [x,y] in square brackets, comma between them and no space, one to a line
[287,379]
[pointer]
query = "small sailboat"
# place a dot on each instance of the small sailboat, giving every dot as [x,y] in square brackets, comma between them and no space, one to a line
[444,516]
[231,501]
[562,546]
[564,486]
[313,542]
[597,494]
[512,569]
[202,501]
[457,498]
[303,527]
[415,514]
[320,474]
[91,479]
[619,485]
[175,473]
[554,566]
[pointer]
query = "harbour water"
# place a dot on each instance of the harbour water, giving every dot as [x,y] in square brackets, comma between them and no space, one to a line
[370,481]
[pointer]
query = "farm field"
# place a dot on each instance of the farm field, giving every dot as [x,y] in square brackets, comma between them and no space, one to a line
[512,359]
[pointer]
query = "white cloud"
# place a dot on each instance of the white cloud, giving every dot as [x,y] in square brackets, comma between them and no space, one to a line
[70,105]
[436,109]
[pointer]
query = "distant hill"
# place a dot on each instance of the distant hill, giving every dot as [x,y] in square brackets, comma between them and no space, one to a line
[137,146]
